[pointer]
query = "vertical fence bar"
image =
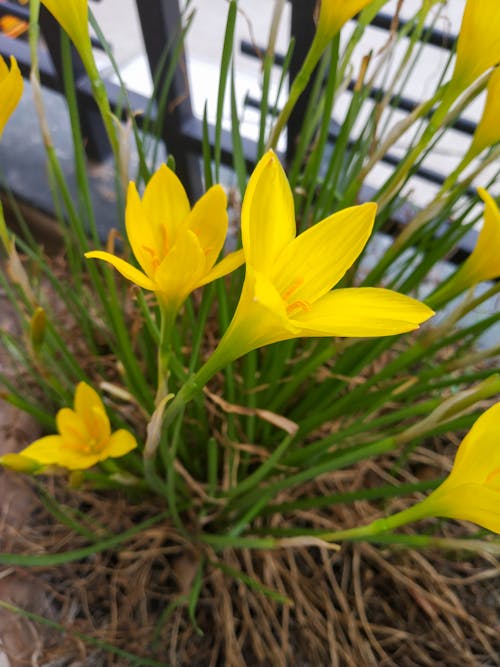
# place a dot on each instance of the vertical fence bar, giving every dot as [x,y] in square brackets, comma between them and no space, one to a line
[161,26]
[302,29]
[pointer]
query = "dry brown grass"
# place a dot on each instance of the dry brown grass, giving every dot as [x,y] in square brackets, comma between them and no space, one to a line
[360,606]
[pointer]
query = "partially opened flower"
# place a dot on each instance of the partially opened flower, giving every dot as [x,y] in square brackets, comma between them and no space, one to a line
[472,489]
[84,437]
[20,463]
[484,261]
[11,89]
[73,16]
[176,246]
[287,289]
[334,13]
[478,46]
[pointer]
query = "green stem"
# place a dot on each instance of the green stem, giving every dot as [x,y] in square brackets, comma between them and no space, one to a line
[298,86]
[378,526]
[167,321]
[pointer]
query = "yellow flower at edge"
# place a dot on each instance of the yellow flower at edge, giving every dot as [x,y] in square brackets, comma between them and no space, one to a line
[472,489]
[334,13]
[73,16]
[11,89]
[84,437]
[482,264]
[176,246]
[488,129]
[288,282]
[478,46]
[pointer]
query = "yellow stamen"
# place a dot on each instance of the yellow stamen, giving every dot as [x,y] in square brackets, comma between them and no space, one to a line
[492,475]
[298,305]
[292,288]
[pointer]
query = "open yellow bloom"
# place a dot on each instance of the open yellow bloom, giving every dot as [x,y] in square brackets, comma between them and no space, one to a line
[488,129]
[334,13]
[478,46]
[483,263]
[176,247]
[287,289]
[73,16]
[11,89]
[472,489]
[84,437]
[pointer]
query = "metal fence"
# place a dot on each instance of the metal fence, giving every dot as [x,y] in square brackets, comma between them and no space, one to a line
[181,130]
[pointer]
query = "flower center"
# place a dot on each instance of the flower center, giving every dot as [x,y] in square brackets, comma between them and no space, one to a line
[158,253]
[299,304]
[90,446]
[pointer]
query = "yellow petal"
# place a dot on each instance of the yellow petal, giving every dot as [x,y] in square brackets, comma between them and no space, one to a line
[479,453]
[181,271]
[121,442]
[483,263]
[362,312]
[11,89]
[166,205]
[267,215]
[141,234]
[486,252]
[75,460]
[478,46]
[208,220]
[468,502]
[317,259]
[72,15]
[488,129]
[227,264]
[46,450]
[86,399]
[334,13]
[126,269]
[72,427]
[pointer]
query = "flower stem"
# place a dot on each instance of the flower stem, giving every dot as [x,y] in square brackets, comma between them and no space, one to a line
[378,526]
[298,86]
[167,320]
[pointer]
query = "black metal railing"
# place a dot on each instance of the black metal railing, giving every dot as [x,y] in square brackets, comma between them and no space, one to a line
[181,131]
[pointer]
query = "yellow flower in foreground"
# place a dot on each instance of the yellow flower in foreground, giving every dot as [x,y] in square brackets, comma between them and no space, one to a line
[11,89]
[286,293]
[334,13]
[478,46]
[488,129]
[176,246]
[73,16]
[472,489]
[84,437]
[484,261]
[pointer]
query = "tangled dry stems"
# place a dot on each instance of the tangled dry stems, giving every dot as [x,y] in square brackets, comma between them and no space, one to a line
[362,605]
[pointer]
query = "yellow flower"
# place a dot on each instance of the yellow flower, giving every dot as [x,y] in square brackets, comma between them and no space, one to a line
[84,437]
[483,262]
[488,129]
[11,89]
[334,13]
[472,489]
[73,16]
[478,46]
[176,246]
[286,293]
